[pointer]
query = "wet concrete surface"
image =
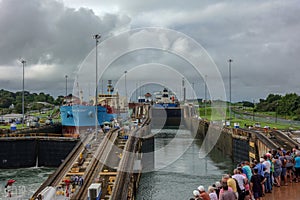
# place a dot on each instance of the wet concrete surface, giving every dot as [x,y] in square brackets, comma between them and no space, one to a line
[290,192]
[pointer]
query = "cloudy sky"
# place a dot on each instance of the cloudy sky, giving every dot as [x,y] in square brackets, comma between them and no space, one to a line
[55,39]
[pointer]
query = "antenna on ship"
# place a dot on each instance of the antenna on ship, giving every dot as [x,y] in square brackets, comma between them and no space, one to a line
[81,96]
[184,89]
[110,87]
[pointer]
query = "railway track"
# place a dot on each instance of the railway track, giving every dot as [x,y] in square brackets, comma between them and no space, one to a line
[61,170]
[125,170]
[64,171]
[95,166]
[123,179]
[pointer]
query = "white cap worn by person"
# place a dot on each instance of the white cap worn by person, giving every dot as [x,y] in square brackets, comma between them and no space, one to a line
[196,193]
[201,188]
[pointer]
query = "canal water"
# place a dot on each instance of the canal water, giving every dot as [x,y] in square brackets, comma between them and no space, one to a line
[27,180]
[180,167]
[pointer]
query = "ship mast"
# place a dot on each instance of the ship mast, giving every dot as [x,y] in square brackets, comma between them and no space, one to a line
[96,37]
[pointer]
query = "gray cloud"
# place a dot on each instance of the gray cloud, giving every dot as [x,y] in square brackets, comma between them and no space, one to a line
[51,37]
[48,32]
[262,37]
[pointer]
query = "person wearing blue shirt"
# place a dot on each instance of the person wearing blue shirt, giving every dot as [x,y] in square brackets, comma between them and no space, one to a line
[261,167]
[297,166]
[246,169]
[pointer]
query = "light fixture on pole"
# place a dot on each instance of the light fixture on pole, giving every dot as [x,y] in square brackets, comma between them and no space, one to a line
[96,37]
[66,76]
[23,64]
[229,63]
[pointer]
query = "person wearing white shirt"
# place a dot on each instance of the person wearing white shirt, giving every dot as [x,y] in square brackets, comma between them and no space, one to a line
[268,185]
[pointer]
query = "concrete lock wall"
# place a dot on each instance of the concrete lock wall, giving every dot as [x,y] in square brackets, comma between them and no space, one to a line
[237,148]
[148,161]
[17,153]
[30,152]
[52,153]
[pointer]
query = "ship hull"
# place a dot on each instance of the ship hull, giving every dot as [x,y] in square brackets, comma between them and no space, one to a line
[84,116]
[166,117]
[165,105]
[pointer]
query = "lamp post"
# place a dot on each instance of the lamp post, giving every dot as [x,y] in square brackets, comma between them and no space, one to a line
[253,110]
[96,37]
[205,97]
[66,76]
[276,110]
[23,64]
[125,72]
[229,62]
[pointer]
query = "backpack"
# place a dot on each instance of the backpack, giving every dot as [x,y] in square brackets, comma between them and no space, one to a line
[238,186]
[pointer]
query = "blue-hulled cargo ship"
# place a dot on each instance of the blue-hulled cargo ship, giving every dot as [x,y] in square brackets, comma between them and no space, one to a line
[84,115]
[76,114]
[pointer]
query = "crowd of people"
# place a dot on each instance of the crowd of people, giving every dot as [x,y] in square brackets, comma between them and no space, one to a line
[253,180]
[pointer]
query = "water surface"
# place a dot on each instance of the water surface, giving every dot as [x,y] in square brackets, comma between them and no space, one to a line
[27,182]
[180,167]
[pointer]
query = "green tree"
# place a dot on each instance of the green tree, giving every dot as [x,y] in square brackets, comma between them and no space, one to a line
[59,100]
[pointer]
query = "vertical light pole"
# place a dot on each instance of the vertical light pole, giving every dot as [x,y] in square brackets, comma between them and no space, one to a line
[183,88]
[96,37]
[253,110]
[125,72]
[193,92]
[276,110]
[23,64]
[205,97]
[66,76]
[230,61]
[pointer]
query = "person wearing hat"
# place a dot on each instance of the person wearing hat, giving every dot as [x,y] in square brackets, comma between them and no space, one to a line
[212,194]
[203,194]
[218,187]
[196,195]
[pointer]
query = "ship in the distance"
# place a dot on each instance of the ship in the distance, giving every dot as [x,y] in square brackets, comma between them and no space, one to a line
[77,115]
[166,99]
[166,110]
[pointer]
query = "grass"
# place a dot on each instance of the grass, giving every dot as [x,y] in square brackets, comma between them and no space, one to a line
[280,126]
[262,114]
[19,126]
[43,117]
[220,116]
